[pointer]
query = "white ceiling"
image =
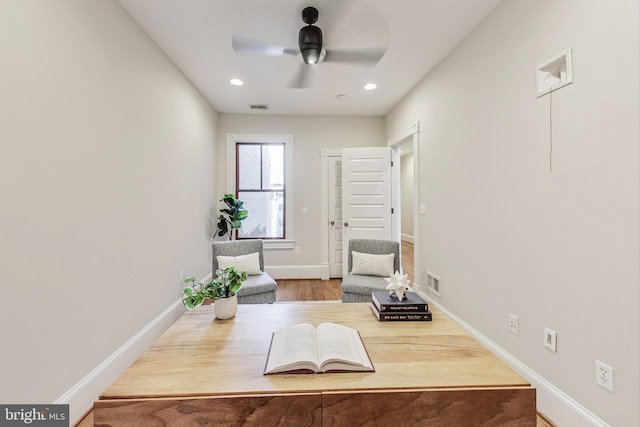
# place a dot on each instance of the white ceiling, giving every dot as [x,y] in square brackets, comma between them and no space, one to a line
[196,36]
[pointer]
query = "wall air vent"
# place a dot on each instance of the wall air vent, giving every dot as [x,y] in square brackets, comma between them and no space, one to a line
[259,106]
[433,283]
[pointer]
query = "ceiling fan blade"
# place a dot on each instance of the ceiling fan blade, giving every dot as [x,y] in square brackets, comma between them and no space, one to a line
[369,56]
[253,47]
[303,77]
[335,14]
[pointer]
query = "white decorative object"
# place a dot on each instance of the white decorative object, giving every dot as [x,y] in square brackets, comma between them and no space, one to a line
[372,264]
[398,284]
[225,308]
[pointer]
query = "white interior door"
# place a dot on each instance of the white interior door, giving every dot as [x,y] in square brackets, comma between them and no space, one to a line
[366,195]
[335,216]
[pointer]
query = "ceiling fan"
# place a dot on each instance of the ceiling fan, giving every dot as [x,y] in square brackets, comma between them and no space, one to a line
[311,49]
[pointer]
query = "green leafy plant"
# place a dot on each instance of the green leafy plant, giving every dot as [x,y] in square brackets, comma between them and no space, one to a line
[232,216]
[226,284]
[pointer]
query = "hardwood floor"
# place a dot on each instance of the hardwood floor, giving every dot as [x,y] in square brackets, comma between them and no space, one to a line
[407,259]
[309,290]
[318,290]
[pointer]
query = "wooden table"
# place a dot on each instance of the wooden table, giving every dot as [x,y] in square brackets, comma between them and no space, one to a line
[210,372]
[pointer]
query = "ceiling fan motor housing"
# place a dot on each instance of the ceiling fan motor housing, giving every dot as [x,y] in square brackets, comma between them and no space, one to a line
[310,43]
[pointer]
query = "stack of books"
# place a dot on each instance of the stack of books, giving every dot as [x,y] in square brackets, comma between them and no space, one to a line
[388,308]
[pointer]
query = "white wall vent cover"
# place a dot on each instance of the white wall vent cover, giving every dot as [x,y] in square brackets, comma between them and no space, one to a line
[433,283]
[554,73]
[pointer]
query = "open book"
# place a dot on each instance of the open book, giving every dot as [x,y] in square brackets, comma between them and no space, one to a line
[328,348]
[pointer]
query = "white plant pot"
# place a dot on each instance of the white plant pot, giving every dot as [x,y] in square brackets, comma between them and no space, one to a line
[225,308]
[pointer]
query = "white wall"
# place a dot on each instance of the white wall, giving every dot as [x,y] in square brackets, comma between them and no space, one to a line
[311,133]
[505,235]
[106,179]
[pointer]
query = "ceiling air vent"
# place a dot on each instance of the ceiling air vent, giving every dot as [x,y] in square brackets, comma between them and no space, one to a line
[259,106]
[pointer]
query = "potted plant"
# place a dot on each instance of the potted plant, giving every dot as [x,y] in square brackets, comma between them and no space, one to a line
[223,289]
[232,216]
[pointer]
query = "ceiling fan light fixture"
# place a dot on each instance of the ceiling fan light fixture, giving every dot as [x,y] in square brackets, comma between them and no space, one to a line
[310,56]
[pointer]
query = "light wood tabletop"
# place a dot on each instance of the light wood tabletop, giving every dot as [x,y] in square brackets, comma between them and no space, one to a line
[199,357]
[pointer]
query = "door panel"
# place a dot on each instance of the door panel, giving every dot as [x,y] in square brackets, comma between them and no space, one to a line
[364,213]
[366,190]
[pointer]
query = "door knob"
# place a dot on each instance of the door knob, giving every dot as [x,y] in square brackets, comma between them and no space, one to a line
[346,224]
[332,223]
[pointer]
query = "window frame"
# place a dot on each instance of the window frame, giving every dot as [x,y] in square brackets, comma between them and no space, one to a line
[284,189]
[232,139]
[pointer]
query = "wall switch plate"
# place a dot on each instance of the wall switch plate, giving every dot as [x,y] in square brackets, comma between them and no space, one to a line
[513,324]
[297,250]
[550,339]
[604,375]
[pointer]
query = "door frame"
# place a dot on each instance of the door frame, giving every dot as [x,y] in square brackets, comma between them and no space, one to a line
[395,142]
[412,133]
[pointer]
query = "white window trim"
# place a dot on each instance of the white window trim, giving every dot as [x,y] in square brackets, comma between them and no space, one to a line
[232,140]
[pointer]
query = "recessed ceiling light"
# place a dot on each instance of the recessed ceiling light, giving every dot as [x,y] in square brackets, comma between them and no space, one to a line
[341,97]
[370,86]
[236,82]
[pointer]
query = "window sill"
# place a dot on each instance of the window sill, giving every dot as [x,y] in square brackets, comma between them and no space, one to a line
[278,244]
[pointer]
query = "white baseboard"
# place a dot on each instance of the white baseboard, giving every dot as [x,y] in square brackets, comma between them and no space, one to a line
[574,413]
[294,271]
[406,238]
[81,396]
[325,272]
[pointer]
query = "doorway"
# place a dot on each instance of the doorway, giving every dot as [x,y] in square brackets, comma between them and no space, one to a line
[406,183]
[407,233]
[331,213]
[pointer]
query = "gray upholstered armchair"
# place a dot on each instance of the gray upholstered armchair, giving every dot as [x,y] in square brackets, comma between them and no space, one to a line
[259,286]
[373,263]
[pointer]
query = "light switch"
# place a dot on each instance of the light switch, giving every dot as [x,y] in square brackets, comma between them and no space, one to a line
[304,211]
[423,209]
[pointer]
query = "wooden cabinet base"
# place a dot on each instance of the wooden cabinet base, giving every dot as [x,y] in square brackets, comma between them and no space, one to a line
[282,410]
[442,408]
[433,408]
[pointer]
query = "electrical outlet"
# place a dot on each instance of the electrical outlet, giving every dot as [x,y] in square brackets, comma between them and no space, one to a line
[604,375]
[550,339]
[513,324]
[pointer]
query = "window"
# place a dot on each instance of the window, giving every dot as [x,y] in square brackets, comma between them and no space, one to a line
[260,184]
[253,162]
